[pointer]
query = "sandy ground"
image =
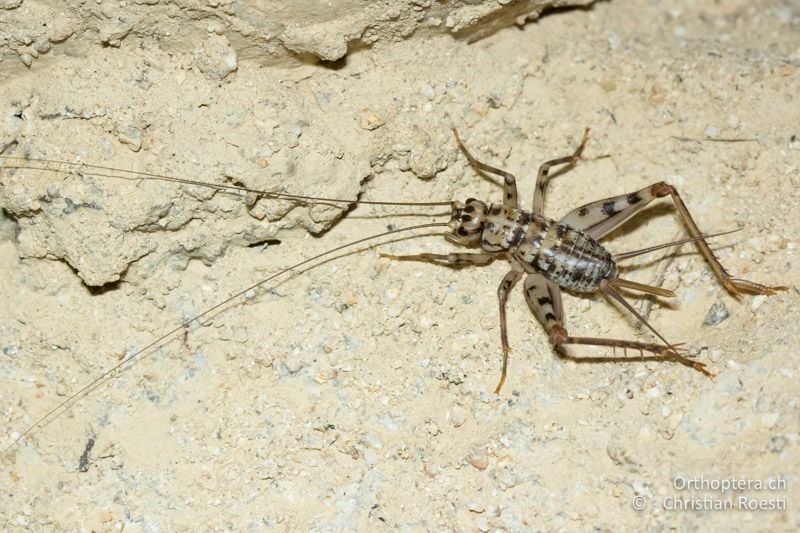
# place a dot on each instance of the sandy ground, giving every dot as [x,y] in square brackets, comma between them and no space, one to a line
[359,394]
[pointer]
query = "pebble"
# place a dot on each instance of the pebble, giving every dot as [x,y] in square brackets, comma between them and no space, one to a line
[479,457]
[458,417]
[427,91]
[716,314]
[11,350]
[370,120]
[131,136]
[216,58]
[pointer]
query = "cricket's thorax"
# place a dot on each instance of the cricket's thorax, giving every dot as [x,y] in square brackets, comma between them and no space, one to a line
[567,256]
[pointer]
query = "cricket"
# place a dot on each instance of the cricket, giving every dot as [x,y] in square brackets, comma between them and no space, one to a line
[551,255]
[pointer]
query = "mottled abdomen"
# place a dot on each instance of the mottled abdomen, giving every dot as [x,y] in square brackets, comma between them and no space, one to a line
[580,263]
[569,257]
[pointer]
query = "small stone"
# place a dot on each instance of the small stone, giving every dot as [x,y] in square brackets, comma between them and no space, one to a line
[458,417]
[479,457]
[216,58]
[10,4]
[370,120]
[132,137]
[716,314]
[427,91]
[11,350]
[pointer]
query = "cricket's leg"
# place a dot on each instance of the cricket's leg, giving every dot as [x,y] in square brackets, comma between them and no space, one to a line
[505,287]
[543,175]
[599,218]
[544,300]
[509,181]
[454,259]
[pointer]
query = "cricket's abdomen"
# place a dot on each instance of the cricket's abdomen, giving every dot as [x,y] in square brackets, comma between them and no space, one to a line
[567,256]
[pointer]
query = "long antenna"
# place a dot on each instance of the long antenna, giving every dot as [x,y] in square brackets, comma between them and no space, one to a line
[136,175]
[86,390]
[634,253]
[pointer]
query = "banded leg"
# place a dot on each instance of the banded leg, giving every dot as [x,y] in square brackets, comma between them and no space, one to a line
[599,218]
[509,181]
[454,259]
[542,177]
[505,287]
[544,300]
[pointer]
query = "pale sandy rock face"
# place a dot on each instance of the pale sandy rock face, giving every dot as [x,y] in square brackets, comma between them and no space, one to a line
[358,394]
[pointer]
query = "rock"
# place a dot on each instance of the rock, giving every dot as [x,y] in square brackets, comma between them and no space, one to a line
[716,314]
[216,58]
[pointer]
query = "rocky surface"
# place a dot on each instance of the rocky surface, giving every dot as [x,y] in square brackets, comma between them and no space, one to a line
[359,394]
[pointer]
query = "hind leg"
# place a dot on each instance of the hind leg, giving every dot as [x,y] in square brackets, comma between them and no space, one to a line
[599,218]
[544,300]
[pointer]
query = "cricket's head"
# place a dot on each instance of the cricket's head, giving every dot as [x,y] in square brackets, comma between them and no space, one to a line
[467,221]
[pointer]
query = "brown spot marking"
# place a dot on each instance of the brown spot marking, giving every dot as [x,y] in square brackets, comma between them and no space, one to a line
[661,189]
[558,335]
[561,230]
[634,199]
[544,300]
[549,317]
[582,212]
